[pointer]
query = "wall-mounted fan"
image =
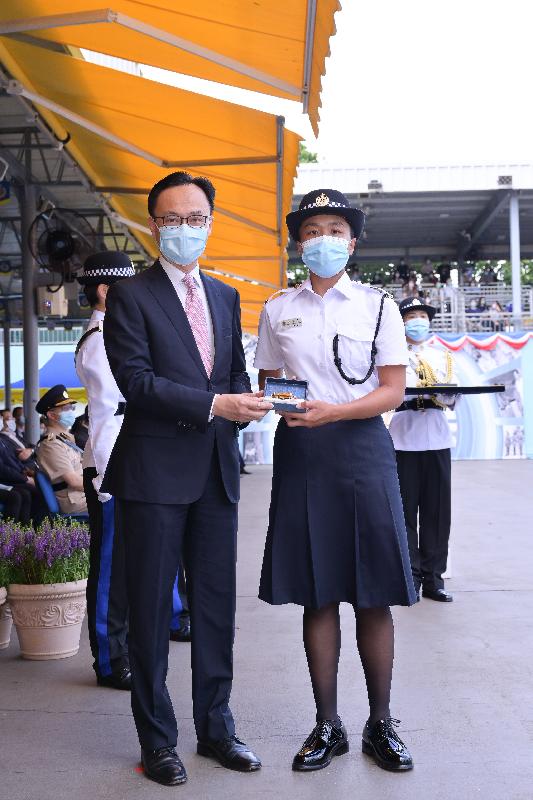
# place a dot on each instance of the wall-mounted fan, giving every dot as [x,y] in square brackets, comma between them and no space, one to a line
[60,240]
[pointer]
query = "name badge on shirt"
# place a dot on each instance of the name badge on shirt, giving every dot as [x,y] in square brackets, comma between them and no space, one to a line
[296,322]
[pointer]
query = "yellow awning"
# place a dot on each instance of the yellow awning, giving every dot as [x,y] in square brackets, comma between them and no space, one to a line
[127,132]
[273,46]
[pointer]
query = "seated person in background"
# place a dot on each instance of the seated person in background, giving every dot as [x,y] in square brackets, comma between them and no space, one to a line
[20,424]
[444,272]
[57,453]
[428,275]
[25,454]
[17,479]
[402,270]
[80,429]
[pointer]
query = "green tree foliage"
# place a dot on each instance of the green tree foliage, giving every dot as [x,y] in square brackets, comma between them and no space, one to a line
[305,156]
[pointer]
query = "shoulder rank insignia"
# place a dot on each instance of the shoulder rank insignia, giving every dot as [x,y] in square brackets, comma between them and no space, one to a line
[384,292]
[280,292]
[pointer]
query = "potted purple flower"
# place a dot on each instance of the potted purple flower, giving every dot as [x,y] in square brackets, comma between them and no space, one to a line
[5,574]
[48,570]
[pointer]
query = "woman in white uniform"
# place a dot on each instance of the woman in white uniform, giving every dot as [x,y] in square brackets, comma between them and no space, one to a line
[422,439]
[336,531]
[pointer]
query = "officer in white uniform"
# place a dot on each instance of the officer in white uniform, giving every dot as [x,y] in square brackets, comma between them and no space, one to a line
[422,439]
[107,605]
[336,531]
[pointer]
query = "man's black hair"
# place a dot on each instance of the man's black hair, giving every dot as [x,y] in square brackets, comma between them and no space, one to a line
[180,179]
[91,293]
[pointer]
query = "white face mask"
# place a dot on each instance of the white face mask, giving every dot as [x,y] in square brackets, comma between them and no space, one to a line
[11,425]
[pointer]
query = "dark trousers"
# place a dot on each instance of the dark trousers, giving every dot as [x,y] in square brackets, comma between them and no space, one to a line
[17,504]
[425,485]
[202,536]
[107,601]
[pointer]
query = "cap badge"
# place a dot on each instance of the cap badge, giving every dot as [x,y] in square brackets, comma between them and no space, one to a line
[65,395]
[322,200]
[416,302]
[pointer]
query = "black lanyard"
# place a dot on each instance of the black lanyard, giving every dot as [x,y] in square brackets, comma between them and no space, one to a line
[373,352]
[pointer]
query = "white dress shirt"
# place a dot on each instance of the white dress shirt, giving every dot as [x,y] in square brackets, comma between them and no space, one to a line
[104,396]
[428,429]
[297,328]
[176,276]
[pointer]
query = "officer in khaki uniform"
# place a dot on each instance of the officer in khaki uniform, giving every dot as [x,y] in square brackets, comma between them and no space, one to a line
[57,454]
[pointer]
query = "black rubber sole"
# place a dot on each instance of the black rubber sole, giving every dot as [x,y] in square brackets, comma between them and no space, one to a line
[341,749]
[369,751]
[205,750]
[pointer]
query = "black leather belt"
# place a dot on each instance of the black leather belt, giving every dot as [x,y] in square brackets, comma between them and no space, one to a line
[418,404]
[57,487]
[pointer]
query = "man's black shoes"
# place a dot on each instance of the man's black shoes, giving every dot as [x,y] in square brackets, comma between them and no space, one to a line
[117,680]
[230,753]
[326,740]
[440,595]
[163,766]
[382,743]
[183,633]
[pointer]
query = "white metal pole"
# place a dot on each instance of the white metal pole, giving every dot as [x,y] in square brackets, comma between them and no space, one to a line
[514,237]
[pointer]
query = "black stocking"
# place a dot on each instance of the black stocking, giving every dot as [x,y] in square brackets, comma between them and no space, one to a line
[375,642]
[322,642]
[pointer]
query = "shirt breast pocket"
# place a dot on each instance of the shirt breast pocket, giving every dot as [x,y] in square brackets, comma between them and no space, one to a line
[354,349]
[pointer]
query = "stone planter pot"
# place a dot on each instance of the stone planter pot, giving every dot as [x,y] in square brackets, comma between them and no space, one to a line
[6,620]
[48,618]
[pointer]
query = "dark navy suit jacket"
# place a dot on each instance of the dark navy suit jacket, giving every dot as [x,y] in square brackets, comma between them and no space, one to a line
[164,450]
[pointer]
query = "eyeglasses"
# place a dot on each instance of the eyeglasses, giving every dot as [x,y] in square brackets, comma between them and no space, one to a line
[174,220]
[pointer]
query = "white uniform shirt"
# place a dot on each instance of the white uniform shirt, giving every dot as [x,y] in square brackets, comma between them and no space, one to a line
[427,429]
[176,276]
[103,395]
[297,328]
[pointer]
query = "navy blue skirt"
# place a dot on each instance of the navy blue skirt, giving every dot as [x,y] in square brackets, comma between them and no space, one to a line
[336,527]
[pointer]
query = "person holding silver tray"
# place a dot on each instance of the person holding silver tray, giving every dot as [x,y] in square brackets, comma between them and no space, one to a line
[336,531]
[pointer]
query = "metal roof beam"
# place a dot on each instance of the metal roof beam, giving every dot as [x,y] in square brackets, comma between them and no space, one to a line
[107,15]
[482,222]
[308,53]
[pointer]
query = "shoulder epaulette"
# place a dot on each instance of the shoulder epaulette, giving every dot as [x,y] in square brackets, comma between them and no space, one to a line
[387,294]
[281,292]
[97,328]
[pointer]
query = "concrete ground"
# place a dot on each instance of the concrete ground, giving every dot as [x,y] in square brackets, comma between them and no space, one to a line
[462,682]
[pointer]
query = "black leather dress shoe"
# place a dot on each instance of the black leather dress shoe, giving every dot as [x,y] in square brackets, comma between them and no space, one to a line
[230,753]
[437,594]
[163,766]
[385,746]
[183,633]
[326,740]
[117,680]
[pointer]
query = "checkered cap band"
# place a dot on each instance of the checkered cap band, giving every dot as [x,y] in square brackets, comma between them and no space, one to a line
[109,272]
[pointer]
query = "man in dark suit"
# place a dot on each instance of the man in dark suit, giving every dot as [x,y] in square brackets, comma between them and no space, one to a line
[173,338]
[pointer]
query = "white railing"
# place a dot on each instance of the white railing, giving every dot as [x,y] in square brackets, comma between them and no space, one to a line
[46,335]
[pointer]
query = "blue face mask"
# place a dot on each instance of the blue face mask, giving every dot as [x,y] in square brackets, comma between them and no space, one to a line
[182,245]
[417,329]
[326,256]
[67,419]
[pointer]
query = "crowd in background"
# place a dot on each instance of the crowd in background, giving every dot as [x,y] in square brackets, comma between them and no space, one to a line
[432,284]
[20,496]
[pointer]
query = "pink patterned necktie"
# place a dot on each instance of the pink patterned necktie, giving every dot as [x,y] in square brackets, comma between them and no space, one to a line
[195,311]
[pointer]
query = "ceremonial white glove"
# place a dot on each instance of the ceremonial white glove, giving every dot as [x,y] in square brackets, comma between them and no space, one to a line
[447,399]
[102,496]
